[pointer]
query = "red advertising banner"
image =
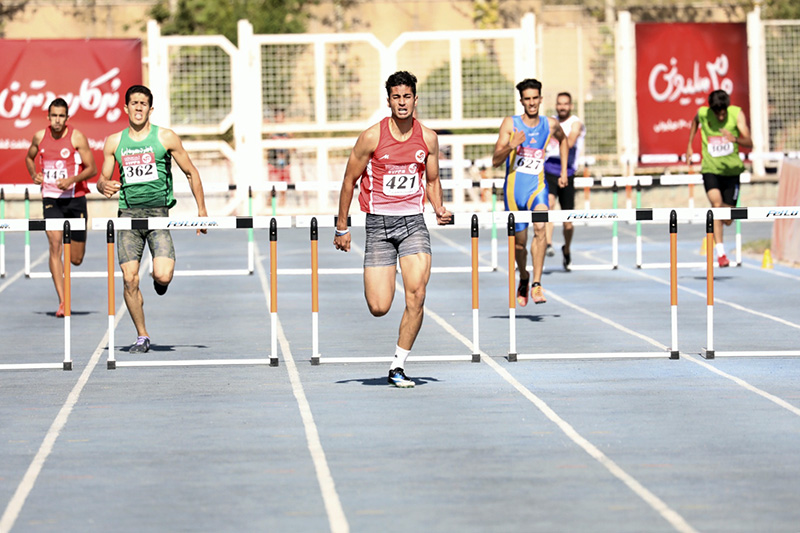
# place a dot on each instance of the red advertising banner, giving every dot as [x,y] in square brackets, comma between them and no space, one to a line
[677,66]
[91,75]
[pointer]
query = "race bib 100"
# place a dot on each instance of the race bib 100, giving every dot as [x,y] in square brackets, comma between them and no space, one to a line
[139,168]
[719,147]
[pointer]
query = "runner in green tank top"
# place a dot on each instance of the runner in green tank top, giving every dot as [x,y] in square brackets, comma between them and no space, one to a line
[723,129]
[144,152]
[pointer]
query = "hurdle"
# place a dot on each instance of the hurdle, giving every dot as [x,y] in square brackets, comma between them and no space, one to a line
[194,223]
[2,234]
[737,213]
[317,359]
[52,224]
[628,215]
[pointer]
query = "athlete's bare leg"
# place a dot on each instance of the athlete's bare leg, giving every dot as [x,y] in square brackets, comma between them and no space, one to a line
[416,271]
[379,288]
[715,197]
[521,253]
[163,270]
[55,240]
[133,296]
[538,246]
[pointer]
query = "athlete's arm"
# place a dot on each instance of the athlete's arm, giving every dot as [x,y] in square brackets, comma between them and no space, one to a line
[82,147]
[170,140]
[744,140]
[563,149]
[574,133]
[692,132]
[105,185]
[433,187]
[30,157]
[507,141]
[356,164]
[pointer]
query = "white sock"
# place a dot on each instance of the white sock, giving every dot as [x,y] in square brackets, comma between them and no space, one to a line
[400,356]
[720,249]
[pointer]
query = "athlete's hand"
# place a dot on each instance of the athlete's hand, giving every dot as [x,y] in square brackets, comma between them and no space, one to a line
[689,153]
[342,242]
[202,213]
[38,178]
[64,184]
[443,216]
[517,139]
[108,188]
[728,136]
[563,181]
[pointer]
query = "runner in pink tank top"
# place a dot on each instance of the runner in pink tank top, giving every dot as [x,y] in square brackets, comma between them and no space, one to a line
[391,158]
[59,159]
[392,183]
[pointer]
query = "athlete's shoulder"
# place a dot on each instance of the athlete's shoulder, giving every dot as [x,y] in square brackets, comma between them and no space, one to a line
[78,138]
[371,135]
[113,140]
[38,136]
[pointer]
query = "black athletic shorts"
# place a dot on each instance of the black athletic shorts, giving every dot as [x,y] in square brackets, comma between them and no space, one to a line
[728,186]
[67,208]
[565,195]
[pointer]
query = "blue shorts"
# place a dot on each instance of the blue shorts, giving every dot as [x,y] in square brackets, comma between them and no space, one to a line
[526,193]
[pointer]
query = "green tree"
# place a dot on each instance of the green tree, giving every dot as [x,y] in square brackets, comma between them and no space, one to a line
[8,9]
[220,17]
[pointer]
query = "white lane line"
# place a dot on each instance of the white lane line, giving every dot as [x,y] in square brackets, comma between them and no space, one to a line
[25,486]
[670,515]
[718,300]
[333,506]
[19,274]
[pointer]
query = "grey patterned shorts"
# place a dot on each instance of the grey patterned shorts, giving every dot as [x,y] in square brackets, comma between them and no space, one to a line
[130,243]
[390,237]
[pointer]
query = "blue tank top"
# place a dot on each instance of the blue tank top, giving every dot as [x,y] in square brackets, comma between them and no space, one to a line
[528,159]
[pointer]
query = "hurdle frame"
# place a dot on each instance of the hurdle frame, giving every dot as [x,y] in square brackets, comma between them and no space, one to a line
[317,359]
[737,213]
[52,224]
[194,223]
[639,214]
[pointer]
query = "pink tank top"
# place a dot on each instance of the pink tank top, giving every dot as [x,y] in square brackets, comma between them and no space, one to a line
[393,182]
[58,160]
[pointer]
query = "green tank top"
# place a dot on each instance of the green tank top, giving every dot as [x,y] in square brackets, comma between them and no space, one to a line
[145,169]
[720,156]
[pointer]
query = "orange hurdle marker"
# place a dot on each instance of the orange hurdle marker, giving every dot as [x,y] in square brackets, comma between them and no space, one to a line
[67,296]
[512,292]
[708,351]
[674,353]
[273,289]
[111,363]
[314,292]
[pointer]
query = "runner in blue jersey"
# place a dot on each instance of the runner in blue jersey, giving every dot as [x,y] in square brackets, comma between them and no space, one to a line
[521,145]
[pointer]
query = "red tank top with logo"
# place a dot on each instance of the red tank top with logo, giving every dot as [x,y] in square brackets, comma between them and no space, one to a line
[393,182]
[58,160]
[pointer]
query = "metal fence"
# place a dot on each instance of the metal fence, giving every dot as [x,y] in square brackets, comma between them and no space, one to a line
[287,108]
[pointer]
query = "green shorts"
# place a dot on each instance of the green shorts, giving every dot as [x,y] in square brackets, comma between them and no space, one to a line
[130,243]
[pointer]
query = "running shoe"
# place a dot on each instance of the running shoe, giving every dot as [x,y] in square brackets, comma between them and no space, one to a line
[161,290]
[550,251]
[723,261]
[537,294]
[398,378]
[60,311]
[522,292]
[142,345]
[567,258]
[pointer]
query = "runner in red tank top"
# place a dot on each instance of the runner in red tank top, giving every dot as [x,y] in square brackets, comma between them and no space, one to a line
[390,158]
[59,159]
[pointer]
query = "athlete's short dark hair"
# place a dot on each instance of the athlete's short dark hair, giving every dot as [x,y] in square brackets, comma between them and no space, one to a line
[401,77]
[138,89]
[58,102]
[529,83]
[718,100]
[565,93]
